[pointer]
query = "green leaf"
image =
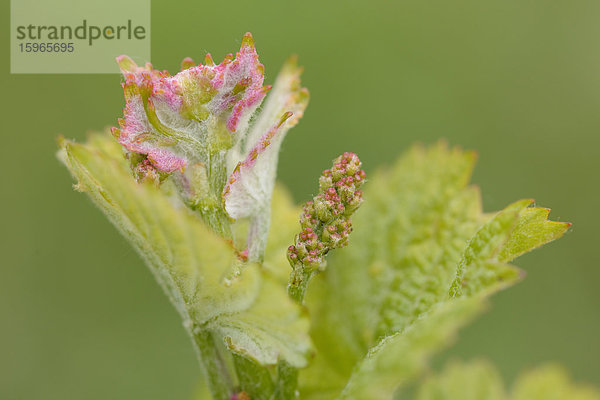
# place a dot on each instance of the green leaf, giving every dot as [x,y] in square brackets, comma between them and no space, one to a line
[476,268]
[475,380]
[421,239]
[399,358]
[532,230]
[285,215]
[407,240]
[551,382]
[513,231]
[269,329]
[200,272]
[322,380]
[480,380]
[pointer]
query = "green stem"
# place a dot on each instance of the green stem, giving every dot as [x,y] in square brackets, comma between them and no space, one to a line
[287,382]
[216,219]
[254,379]
[298,283]
[219,380]
[216,216]
[287,375]
[206,194]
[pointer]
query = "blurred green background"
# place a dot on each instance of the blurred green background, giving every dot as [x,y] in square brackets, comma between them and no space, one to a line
[517,80]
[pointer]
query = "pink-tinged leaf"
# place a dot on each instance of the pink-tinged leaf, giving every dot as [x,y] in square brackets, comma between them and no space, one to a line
[231,90]
[172,119]
[250,186]
[145,88]
[287,95]
[187,63]
[167,160]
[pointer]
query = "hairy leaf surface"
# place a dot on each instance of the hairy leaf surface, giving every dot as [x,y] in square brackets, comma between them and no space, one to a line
[200,272]
[421,242]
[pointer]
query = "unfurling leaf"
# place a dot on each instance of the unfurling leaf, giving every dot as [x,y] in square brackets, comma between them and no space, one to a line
[201,273]
[250,187]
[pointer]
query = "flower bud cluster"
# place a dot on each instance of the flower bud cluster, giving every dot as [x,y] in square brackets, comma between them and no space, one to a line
[325,220]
